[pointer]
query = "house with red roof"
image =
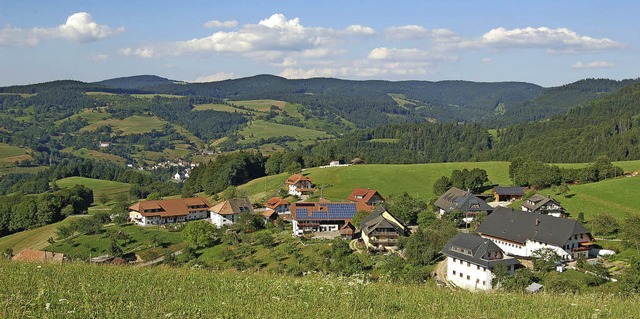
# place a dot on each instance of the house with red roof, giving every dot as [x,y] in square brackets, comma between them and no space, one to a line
[278,205]
[167,211]
[309,217]
[368,196]
[300,185]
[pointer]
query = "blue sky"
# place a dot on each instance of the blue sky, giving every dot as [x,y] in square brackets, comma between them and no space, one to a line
[544,42]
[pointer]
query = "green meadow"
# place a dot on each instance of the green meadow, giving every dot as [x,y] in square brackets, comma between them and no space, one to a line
[78,290]
[98,186]
[263,129]
[97,155]
[217,107]
[135,124]
[33,238]
[260,105]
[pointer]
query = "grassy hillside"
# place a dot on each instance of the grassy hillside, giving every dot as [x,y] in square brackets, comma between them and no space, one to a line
[9,154]
[96,155]
[82,291]
[611,196]
[98,186]
[135,124]
[414,179]
[263,129]
[33,238]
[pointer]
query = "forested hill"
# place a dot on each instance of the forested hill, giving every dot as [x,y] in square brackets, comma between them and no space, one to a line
[559,100]
[606,126]
[136,82]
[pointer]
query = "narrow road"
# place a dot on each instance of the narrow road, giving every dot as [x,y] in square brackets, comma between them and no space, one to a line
[354,246]
[441,272]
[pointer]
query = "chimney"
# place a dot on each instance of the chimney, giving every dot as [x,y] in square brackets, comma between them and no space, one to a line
[537,222]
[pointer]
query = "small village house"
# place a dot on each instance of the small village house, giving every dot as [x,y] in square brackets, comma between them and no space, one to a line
[508,193]
[455,199]
[368,196]
[543,205]
[278,205]
[471,260]
[167,211]
[520,233]
[299,185]
[309,217]
[380,230]
[228,212]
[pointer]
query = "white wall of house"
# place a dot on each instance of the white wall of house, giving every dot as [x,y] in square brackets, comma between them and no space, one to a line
[221,220]
[470,276]
[530,246]
[198,215]
[509,248]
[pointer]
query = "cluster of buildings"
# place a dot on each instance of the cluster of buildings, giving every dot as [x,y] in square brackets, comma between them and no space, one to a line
[507,235]
[503,237]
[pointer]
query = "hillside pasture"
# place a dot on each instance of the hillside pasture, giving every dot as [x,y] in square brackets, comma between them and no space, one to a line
[263,129]
[90,115]
[77,290]
[152,95]
[98,186]
[611,196]
[97,155]
[33,238]
[135,124]
[218,107]
[260,105]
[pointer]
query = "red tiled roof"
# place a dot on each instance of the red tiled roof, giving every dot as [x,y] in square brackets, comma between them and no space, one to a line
[274,202]
[232,206]
[362,195]
[295,178]
[169,207]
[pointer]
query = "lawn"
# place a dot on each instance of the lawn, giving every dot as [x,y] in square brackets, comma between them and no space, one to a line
[9,154]
[263,187]
[33,238]
[150,96]
[135,124]
[90,115]
[140,240]
[99,186]
[263,129]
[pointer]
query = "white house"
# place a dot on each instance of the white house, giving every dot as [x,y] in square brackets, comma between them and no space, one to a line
[299,185]
[544,205]
[228,212]
[520,233]
[471,260]
[309,217]
[166,211]
[278,205]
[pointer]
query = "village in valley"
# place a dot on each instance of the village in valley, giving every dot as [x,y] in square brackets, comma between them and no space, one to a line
[492,242]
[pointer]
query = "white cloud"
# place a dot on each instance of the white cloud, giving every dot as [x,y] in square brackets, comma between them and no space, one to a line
[487,61]
[139,52]
[593,65]
[357,29]
[561,40]
[220,76]
[79,27]
[98,57]
[408,32]
[220,24]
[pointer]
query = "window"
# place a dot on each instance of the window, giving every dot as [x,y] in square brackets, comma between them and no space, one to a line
[454,260]
[484,283]
[468,264]
[478,267]
[468,277]
[460,275]
[454,272]
[477,281]
[460,261]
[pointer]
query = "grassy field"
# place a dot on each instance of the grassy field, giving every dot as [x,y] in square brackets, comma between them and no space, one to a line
[140,241]
[97,185]
[263,187]
[88,291]
[13,169]
[135,124]
[263,129]
[96,155]
[33,238]
[417,179]
[150,96]
[612,196]
[260,105]
[9,154]
[217,107]
[90,115]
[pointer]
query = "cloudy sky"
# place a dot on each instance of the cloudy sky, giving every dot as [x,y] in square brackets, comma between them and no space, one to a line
[544,42]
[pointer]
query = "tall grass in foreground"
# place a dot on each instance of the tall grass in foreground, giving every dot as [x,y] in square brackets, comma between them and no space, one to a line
[85,291]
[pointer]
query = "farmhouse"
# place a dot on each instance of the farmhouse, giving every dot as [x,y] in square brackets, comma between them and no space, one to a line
[507,193]
[471,260]
[380,230]
[166,211]
[368,196]
[457,199]
[310,217]
[228,212]
[278,205]
[520,233]
[32,255]
[543,205]
[300,185]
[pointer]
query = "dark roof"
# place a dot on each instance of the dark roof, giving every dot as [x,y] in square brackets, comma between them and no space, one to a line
[509,190]
[376,219]
[325,210]
[477,249]
[536,201]
[455,198]
[518,226]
